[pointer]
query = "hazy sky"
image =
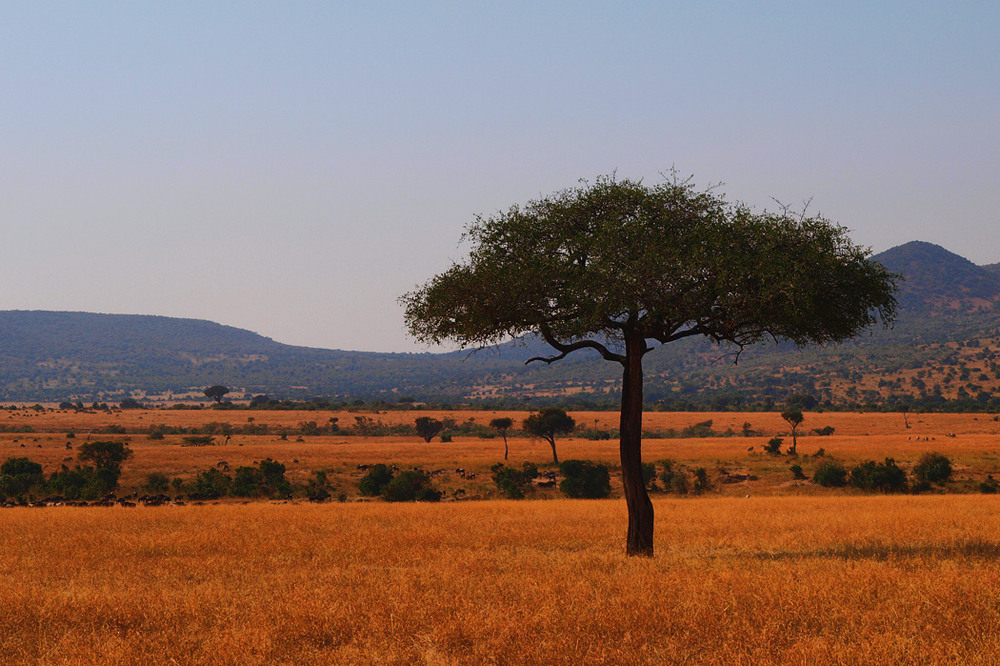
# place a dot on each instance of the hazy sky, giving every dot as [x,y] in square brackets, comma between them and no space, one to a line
[293,167]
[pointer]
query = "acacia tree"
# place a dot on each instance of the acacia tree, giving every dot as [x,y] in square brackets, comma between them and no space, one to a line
[217,392]
[502,425]
[620,267]
[547,423]
[794,418]
[427,427]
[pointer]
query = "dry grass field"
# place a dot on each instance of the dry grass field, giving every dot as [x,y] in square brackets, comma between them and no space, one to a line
[777,580]
[772,571]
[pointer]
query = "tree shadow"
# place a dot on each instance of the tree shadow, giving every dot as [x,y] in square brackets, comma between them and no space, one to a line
[975,549]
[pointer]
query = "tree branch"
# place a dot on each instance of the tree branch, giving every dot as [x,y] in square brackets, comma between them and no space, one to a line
[566,349]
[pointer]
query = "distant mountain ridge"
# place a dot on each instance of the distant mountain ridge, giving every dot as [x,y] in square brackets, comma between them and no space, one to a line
[948,305]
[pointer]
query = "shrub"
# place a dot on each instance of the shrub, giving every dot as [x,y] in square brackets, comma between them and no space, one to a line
[411,485]
[796,471]
[667,475]
[825,431]
[157,482]
[428,427]
[318,487]
[989,486]
[378,477]
[512,482]
[648,473]
[584,479]
[679,483]
[830,474]
[18,475]
[446,437]
[211,484]
[773,445]
[884,477]
[933,468]
[701,482]
[247,482]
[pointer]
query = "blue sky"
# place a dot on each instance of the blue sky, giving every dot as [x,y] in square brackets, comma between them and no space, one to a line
[292,168]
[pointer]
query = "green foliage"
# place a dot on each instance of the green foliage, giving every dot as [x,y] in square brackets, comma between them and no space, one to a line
[318,487]
[989,486]
[428,427]
[378,476]
[502,425]
[581,262]
[17,475]
[933,468]
[886,477]
[549,422]
[825,431]
[157,482]
[410,486]
[584,479]
[773,445]
[210,484]
[104,453]
[830,474]
[701,481]
[247,482]
[513,482]
[216,392]
[796,471]
[648,473]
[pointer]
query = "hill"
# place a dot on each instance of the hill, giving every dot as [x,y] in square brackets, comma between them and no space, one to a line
[942,348]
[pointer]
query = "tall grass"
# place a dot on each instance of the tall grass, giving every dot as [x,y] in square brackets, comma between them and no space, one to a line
[875,580]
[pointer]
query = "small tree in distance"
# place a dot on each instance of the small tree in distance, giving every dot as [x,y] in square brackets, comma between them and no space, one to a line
[620,268]
[428,428]
[547,423]
[502,425]
[794,418]
[217,392]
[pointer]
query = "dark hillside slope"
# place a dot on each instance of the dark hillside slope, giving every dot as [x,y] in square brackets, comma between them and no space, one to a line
[946,304]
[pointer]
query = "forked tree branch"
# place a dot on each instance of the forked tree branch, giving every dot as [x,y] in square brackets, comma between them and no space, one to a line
[567,349]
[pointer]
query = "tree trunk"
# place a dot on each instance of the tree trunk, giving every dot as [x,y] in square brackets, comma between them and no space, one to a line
[505,447]
[552,443]
[640,510]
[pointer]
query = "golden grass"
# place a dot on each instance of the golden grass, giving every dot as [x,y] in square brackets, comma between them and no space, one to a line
[850,580]
[781,577]
[975,448]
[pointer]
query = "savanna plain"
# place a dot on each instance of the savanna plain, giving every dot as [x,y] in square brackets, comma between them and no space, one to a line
[760,568]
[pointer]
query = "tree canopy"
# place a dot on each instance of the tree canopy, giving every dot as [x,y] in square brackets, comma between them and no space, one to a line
[547,423]
[620,267]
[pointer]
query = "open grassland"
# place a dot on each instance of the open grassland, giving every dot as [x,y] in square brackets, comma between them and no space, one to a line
[971,441]
[764,571]
[774,580]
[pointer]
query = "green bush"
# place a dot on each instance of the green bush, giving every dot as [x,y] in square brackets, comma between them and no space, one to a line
[318,487]
[247,482]
[933,468]
[375,480]
[989,486]
[648,473]
[512,482]
[830,474]
[884,477]
[679,483]
[584,479]
[157,482]
[701,482]
[796,471]
[410,486]
[773,445]
[18,475]
[211,484]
